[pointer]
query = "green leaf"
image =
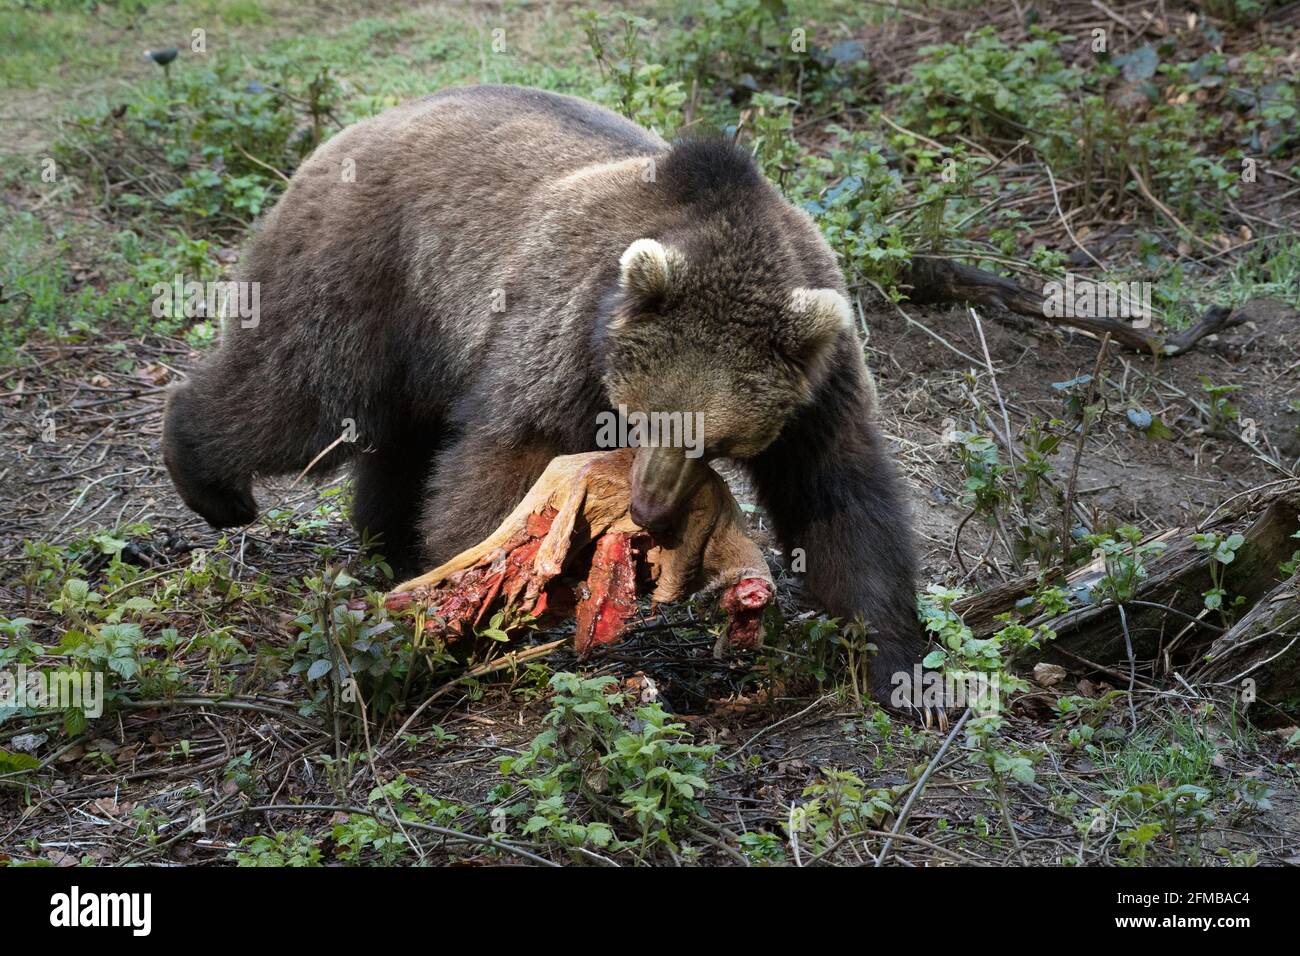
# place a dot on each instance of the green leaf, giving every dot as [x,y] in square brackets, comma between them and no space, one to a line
[17,763]
[1139,65]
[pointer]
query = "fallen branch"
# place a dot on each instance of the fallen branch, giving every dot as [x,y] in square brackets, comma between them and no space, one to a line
[1172,592]
[1263,648]
[935,280]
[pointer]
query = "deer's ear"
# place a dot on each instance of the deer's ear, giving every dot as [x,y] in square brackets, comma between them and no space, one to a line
[817,318]
[648,269]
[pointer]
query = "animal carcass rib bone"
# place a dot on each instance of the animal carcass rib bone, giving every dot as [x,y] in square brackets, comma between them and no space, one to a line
[571,546]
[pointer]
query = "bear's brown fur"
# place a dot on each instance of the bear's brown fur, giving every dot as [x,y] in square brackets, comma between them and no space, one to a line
[473,277]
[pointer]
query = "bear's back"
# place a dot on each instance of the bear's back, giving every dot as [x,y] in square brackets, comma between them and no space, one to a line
[463,166]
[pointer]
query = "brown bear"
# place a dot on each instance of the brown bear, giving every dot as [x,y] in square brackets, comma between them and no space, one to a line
[469,281]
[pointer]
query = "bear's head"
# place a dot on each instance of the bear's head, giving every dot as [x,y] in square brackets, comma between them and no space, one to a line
[709,351]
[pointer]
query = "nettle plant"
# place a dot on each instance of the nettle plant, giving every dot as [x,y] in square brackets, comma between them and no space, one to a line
[1223,551]
[962,652]
[1124,556]
[1151,811]
[635,84]
[348,650]
[378,838]
[981,86]
[1022,498]
[1220,413]
[288,848]
[978,456]
[879,202]
[646,771]
[836,807]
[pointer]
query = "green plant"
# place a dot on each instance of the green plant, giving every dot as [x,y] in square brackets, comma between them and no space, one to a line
[288,848]
[240,775]
[1290,567]
[856,196]
[1124,117]
[1021,497]
[378,836]
[962,654]
[1124,555]
[1034,495]
[653,772]
[736,49]
[772,136]
[1166,777]
[762,848]
[349,652]
[635,84]
[978,456]
[1221,413]
[1223,551]
[210,146]
[1168,805]
[837,807]
[983,86]
[820,650]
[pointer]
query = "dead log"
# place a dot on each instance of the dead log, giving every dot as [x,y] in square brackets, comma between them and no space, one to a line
[571,546]
[1262,648]
[933,280]
[1167,621]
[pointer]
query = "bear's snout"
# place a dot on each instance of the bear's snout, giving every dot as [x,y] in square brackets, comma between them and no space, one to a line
[663,482]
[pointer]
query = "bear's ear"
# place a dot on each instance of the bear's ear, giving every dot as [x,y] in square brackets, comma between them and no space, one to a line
[647,269]
[819,316]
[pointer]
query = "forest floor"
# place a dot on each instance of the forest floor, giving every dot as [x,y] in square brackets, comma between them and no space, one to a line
[222,743]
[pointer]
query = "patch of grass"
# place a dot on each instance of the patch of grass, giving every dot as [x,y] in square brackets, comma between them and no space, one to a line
[52,44]
[1170,778]
[238,12]
[1177,753]
[70,280]
[33,44]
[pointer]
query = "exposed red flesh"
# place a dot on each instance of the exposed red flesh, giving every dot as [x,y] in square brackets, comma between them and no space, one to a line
[745,601]
[575,521]
[609,599]
[466,599]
